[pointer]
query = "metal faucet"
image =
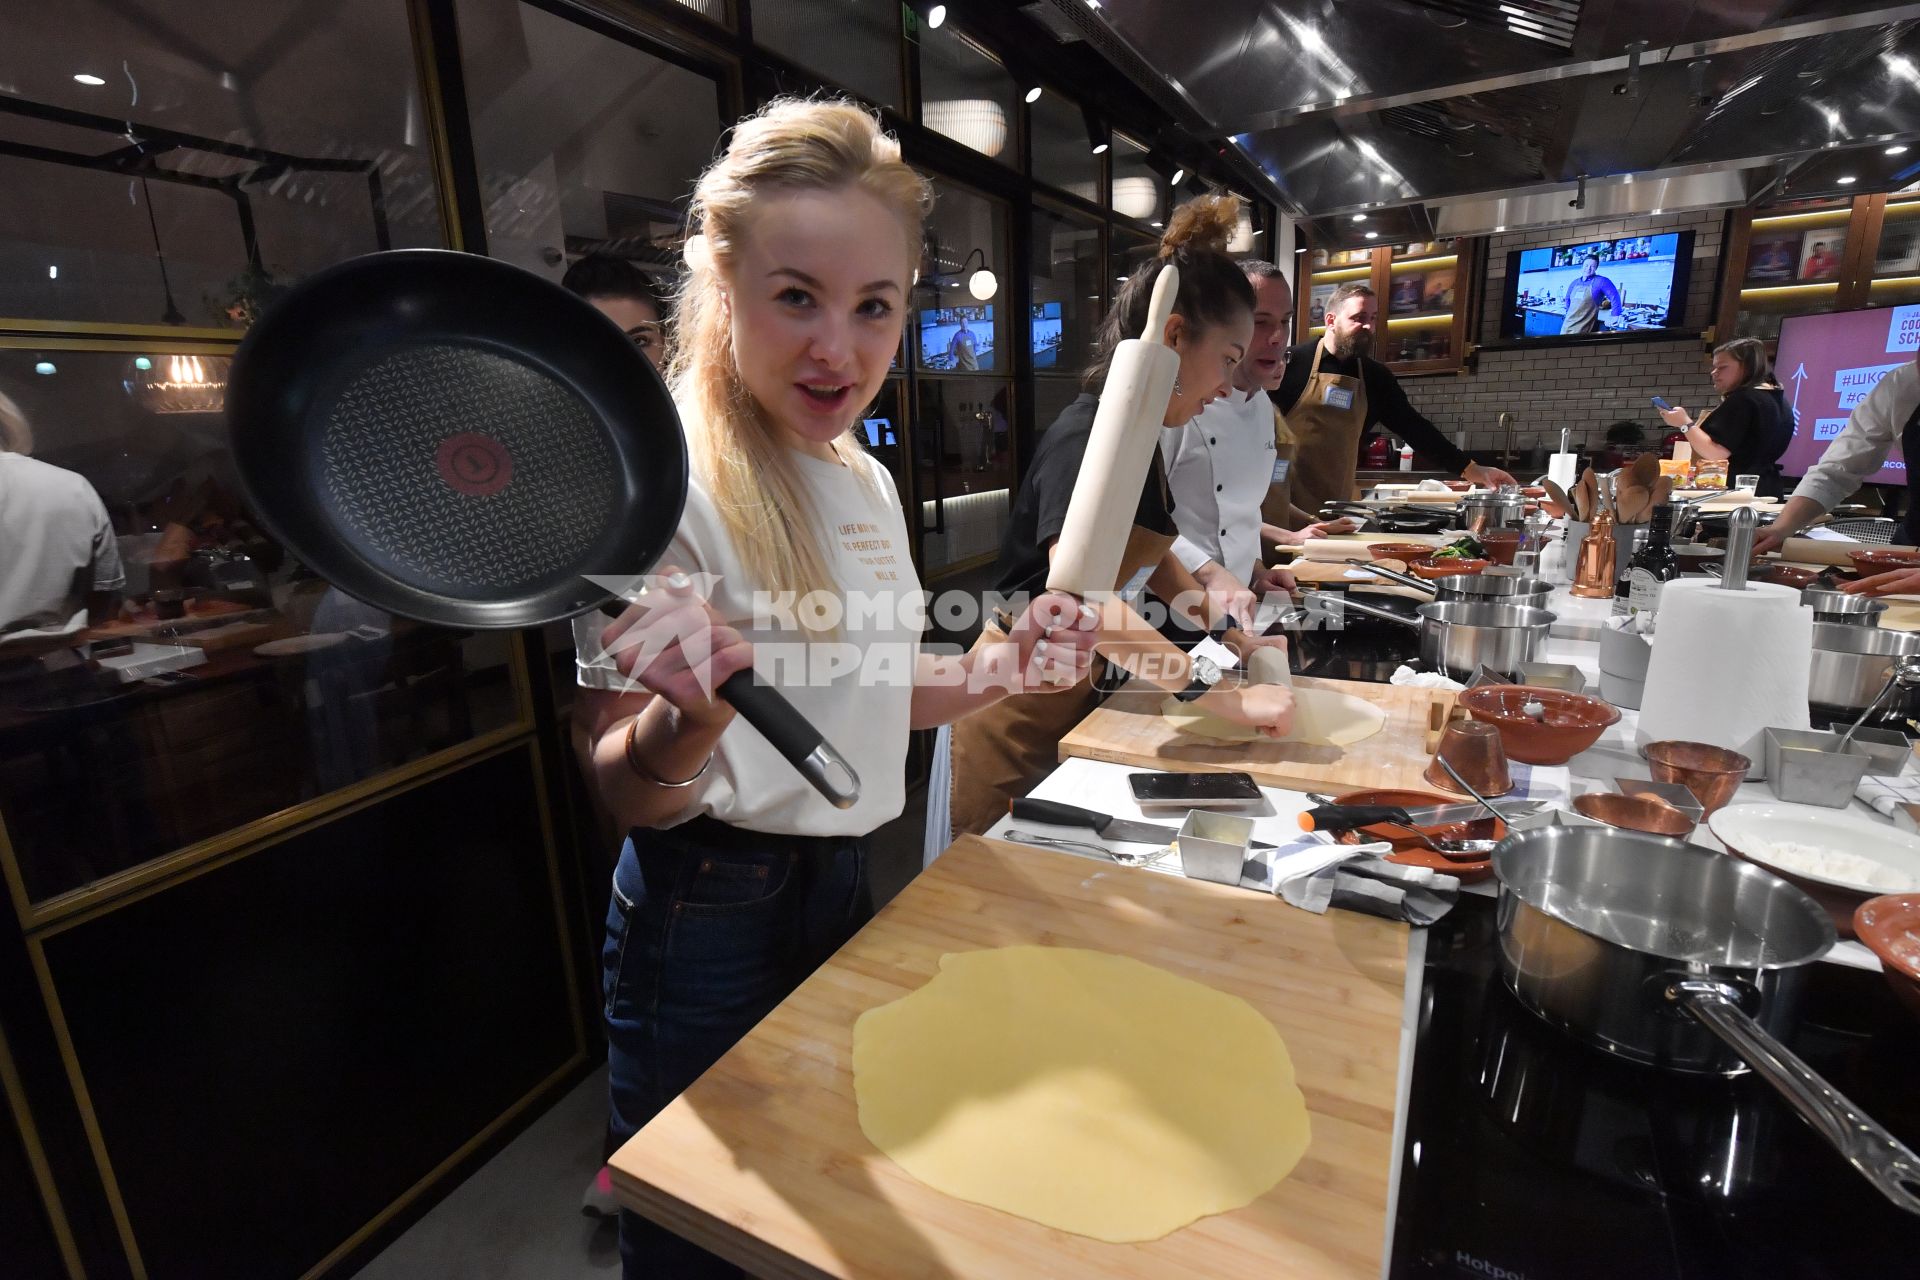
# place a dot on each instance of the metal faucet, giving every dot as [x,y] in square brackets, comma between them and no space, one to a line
[1506,452]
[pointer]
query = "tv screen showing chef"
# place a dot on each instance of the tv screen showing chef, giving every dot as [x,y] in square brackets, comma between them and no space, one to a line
[957,339]
[1598,288]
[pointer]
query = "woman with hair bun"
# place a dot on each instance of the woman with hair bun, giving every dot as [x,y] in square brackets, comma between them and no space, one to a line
[1001,753]
[737,879]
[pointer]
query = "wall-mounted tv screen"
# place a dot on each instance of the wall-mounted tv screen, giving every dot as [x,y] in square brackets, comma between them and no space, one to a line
[1598,288]
[1046,335]
[957,339]
[1827,364]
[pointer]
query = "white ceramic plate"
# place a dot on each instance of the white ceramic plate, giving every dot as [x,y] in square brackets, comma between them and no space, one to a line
[293,646]
[1750,828]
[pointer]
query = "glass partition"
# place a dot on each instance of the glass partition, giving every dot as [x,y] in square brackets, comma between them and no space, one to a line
[162,656]
[968,96]
[181,166]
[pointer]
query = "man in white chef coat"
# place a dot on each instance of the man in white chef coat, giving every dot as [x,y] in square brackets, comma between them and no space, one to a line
[1222,464]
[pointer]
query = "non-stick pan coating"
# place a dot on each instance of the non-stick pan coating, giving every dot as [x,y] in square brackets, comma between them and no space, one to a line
[455,440]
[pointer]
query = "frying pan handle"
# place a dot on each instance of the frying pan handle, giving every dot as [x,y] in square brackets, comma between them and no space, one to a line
[1348,603]
[1882,1158]
[793,736]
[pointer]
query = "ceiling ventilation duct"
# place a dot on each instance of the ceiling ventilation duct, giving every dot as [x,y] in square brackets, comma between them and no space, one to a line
[1554,206]
[1551,22]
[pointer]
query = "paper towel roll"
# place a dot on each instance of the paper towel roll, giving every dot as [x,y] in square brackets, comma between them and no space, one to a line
[1726,666]
[1564,469]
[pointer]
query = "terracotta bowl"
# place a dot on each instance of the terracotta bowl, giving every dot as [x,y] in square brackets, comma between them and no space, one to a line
[1784,575]
[1501,544]
[1458,486]
[1881,559]
[1399,550]
[1573,721]
[1890,927]
[1410,851]
[1533,491]
[1634,813]
[1428,567]
[1711,773]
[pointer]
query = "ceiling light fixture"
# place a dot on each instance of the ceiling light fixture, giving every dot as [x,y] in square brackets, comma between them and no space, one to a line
[1373,235]
[1846,179]
[88,78]
[1897,149]
[1033,95]
[53,272]
[1359,217]
[1179,175]
[44,368]
[936,16]
[1501,227]
[1156,223]
[1658,212]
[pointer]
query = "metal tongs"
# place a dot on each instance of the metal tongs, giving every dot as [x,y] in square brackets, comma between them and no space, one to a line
[1905,674]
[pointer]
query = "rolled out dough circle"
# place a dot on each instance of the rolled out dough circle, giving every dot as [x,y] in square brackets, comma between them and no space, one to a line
[1321,718]
[1081,1090]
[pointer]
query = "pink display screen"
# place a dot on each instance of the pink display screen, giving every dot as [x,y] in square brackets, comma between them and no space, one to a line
[1827,364]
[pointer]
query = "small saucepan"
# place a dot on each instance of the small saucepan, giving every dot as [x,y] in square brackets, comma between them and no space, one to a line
[1483,588]
[1458,636]
[1683,959]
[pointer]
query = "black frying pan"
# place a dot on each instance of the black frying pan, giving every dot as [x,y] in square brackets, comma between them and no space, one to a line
[458,441]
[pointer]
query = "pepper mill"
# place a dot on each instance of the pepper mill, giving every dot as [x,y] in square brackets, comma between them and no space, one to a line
[1593,575]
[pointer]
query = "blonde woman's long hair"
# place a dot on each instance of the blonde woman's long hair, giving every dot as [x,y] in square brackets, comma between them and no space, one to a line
[15,435]
[791,145]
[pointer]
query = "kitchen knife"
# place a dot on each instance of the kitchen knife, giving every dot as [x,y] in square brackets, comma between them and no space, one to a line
[1347,817]
[1108,826]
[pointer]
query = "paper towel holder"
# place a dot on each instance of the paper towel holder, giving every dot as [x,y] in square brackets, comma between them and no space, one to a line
[1740,527]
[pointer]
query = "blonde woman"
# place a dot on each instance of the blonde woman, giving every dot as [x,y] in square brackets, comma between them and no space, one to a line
[738,879]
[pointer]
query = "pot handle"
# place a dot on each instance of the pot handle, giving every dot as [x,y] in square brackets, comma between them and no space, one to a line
[1404,579]
[1882,1158]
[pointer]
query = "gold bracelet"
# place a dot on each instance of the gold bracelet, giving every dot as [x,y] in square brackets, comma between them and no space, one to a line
[633,762]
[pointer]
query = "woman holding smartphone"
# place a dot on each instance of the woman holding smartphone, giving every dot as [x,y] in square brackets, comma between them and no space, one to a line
[737,879]
[1001,754]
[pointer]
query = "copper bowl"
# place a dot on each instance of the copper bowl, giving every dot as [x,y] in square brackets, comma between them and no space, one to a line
[1477,755]
[1400,550]
[1711,773]
[1572,721]
[1889,925]
[1429,568]
[1634,813]
[1881,559]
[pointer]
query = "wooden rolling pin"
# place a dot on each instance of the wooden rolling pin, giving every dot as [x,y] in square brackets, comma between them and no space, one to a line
[1820,551]
[1126,431]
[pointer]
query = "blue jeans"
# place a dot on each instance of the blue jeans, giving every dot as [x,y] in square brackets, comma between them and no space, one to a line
[710,927]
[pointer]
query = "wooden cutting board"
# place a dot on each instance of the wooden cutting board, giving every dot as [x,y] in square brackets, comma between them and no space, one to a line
[1129,729]
[1355,546]
[763,1162]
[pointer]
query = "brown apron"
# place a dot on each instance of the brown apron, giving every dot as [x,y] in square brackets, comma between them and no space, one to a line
[1004,751]
[1277,507]
[1329,431]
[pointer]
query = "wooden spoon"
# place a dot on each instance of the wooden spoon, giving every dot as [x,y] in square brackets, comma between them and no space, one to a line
[1645,470]
[1557,502]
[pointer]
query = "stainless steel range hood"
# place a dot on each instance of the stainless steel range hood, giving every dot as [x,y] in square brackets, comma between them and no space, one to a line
[1472,114]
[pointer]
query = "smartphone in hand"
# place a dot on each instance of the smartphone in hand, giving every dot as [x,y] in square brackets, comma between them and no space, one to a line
[1661,405]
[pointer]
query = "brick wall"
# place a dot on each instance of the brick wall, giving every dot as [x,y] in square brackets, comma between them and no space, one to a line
[1584,388]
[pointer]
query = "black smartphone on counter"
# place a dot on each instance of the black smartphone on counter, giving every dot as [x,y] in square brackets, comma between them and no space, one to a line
[1193,790]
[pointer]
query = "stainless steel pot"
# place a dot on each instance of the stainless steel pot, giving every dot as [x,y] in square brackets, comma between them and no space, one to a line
[1458,636]
[1675,956]
[1480,512]
[1851,664]
[1840,606]
[1482,588]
